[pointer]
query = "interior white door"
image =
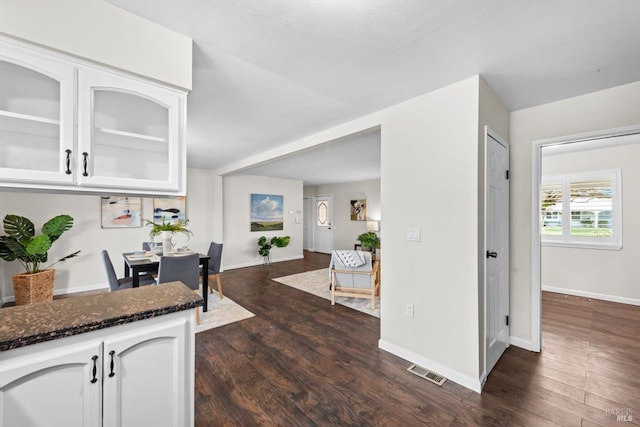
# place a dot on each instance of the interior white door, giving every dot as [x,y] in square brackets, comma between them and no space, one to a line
[496,249]
[323,218]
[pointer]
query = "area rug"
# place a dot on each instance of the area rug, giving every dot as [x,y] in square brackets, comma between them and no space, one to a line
[316,282]
[221,312]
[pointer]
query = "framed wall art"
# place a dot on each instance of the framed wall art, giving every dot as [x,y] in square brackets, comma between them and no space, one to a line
[120,212]
[359,210]
[170,209]
[267,212]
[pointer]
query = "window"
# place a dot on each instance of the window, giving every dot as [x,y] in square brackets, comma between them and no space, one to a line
[582,210]
[322,213]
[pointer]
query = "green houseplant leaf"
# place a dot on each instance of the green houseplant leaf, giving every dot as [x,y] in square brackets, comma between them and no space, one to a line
[18,227]
[280,242]
[56,226]
[39,245]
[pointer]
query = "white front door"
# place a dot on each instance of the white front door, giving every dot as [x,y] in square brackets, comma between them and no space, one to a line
[323,218]
[496,248]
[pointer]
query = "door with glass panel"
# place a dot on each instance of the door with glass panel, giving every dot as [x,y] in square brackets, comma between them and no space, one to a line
[323,218]
[36,117]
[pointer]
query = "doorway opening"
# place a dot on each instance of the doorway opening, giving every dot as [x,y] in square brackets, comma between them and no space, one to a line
[571,223]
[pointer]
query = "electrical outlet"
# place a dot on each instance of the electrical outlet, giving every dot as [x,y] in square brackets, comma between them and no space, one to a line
[408,310]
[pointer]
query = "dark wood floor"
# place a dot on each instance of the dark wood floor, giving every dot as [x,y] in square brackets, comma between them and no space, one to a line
[302,362]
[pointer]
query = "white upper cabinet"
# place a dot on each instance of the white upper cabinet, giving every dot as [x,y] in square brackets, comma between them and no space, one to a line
[36,117]
[66,124]
[128,133]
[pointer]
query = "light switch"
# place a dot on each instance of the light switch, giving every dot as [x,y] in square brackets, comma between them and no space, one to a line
[298,220]
[413,234]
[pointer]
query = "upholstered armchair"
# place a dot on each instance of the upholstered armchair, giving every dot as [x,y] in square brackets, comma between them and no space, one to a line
[353,274]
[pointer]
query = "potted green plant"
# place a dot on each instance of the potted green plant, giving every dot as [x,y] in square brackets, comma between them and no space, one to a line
[264,246]
[166,230]
[22,244]
[369,240]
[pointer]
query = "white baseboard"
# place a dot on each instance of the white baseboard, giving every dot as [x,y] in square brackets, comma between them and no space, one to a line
[522,343]
[259,262]
[453,375]
[85,288]
[592,295]
[96,286]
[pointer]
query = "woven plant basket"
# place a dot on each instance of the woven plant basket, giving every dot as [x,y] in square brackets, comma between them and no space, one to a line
[34,288]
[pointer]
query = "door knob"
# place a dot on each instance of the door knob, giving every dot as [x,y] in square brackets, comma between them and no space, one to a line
[492,254]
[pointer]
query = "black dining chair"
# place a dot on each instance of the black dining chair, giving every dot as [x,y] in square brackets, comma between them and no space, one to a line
[215,259]
[115,283]
[181,268]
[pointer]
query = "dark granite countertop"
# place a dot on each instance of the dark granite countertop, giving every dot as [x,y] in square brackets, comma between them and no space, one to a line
[30,324]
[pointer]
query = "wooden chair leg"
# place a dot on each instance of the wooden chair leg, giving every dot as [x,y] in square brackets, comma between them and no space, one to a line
[219,286]
[197,310]
[373,292]
[219,282]
[333,288]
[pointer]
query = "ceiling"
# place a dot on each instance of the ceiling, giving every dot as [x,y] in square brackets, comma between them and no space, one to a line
[266,73]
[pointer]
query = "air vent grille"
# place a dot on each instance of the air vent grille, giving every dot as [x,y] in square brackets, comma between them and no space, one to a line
[426,374]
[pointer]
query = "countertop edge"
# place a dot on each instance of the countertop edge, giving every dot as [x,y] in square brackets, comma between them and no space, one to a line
[97,324]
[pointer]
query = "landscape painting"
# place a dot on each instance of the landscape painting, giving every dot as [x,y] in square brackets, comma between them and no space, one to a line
[267,212]
[120,212]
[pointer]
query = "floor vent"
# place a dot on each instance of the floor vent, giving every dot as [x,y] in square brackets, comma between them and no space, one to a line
[427,375]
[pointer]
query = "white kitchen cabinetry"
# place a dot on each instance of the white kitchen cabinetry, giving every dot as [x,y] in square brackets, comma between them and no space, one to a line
[53,388]
[145,378]
[143,375]
[36,117]
[70,125]
[129,132]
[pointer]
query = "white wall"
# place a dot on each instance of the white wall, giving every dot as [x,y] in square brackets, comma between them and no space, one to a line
[240,248]
[101,32]
[601,273]
[430,181]
[346,231]
[87,271]
[610,108]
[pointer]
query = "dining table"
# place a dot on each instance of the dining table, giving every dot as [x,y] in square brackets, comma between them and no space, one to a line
[148,262]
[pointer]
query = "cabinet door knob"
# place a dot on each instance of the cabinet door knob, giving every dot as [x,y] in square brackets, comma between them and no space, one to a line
[68,161]
[85,164]
[111,364]
[95,369]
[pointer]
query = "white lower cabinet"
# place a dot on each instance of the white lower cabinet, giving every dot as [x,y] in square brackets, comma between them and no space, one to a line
[139,374]
[53,389]
[144,379]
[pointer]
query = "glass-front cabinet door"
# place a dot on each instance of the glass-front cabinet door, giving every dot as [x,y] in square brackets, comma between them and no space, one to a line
[129,133]
[36,118]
